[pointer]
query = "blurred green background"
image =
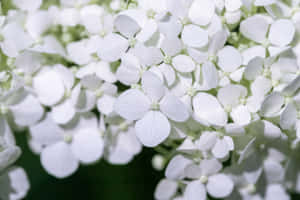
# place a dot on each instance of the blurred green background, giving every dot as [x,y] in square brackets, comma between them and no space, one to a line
[100,181]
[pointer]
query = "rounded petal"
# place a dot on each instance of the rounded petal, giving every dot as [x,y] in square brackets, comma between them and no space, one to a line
[272,104]
[210,166]
[207,140]
[49,87]
[176,167]
[173,108]
[288,117]
[282,32]
[28,5]
[229,59]
[127,107]
[46,131]
[171,46]
[87,146]
[63,112]
[221,149]
[219,186]
[201,12]
[276,192]
[165,189]
[207,108]
[194,36]
[126,25]
[255,28]
[104,72]
[241,115]
[112,47]
[58,160]
[152,86]
[183,63]
[152,129]
[105,104]
[195,190]
[230,95]
[28,111]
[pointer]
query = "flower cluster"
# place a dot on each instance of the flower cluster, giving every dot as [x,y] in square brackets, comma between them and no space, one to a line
[212,85]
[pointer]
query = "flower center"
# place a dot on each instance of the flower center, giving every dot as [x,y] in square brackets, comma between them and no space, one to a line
[132,42]
[68,138]
[203,179]
[155,106]
[167,60]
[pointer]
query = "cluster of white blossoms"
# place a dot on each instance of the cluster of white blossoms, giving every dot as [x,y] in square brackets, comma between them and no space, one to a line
[212,85]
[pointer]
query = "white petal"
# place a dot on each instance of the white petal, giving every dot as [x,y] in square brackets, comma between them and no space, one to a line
[105,104]
[165,189]
[276,192]
[195,191]
[147,55]
[37,23]
[14,184]
[149,35]
[28,5]
[255,28]
[152,129]
[49,87]
[58,160]
[219,186]
[232,5]
[282,32]
[168,72]
[254,68]
[112,47]
[221,149]
[173,108]
[152,86]
[288,117]
[8,156]
[66,75]
[252,52]
[217,42]
[78,52]
[63,112]
[176,167]
[208,108]
[271,130]
[46,131]
[230,95]
[194,36]
[129,71]
[229,59]
[210,166]
[87,146]
[126,25]
[207,140]
[28,111]
[272,104]
[104,71]
[241,115]
[201,12]
[15,39]
[210,76]
[132,104]
[171,46]
[170,27]
[183,63]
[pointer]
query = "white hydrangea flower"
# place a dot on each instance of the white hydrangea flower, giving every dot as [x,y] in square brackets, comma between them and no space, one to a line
[155,106]
[63,149]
